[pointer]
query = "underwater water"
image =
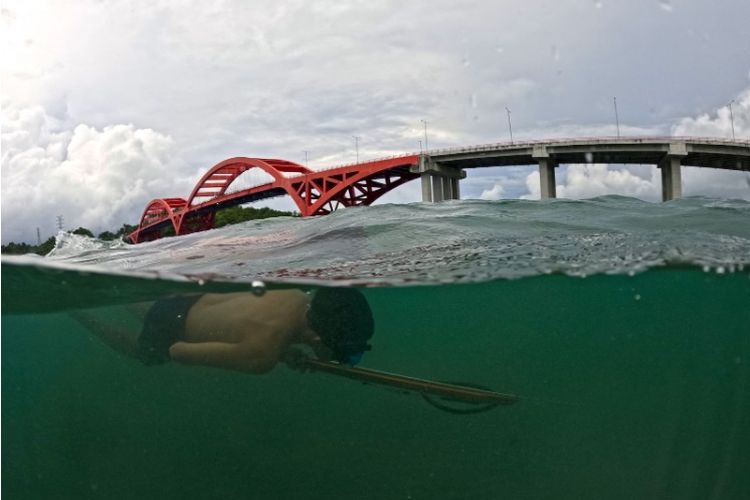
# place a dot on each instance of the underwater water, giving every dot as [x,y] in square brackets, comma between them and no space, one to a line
[622,326]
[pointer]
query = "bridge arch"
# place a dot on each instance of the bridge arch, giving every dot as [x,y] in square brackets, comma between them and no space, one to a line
[355,185]
[217,180]
[215,183]
[159,210]
[314,192]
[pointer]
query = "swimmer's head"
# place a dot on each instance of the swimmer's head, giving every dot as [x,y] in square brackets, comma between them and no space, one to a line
[343,320]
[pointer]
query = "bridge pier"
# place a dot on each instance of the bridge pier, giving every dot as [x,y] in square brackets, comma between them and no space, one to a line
[547,165]
[547,188]
[426,188]
[671,172]
[456,189]
[439,183]
[671,178]
[437,188]
[450,188]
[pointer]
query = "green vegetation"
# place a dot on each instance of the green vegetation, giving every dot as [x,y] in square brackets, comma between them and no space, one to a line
[23,248]
[123,231]
[224,217]
[47,246]
[83,232]
[235,215]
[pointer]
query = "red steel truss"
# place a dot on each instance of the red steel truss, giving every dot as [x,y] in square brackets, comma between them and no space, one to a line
[314,192]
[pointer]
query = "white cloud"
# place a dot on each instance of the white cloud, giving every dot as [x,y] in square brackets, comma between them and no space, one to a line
[643,182]
[533,185]
[495,193]
[720,123]
[587,181]
[205,81]
[714,182]
[94,178]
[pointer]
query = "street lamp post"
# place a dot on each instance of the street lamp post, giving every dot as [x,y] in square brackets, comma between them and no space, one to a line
[426,147]
[510,126]
[420,145]
[731,117]
[356,146]
[617,117]
[305,157]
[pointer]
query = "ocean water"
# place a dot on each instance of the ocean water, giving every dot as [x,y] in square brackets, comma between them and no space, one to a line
[623,327]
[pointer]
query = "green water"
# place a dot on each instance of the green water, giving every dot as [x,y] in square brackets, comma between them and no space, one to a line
[631,386]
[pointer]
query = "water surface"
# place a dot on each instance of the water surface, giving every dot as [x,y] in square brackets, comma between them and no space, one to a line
[622,325]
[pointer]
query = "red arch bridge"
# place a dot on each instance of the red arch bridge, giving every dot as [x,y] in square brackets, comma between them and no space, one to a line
[323,191]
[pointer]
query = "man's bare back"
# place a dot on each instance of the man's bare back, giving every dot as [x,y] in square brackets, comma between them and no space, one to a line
[243,331]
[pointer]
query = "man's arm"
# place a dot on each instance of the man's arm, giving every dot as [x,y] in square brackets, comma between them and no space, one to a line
[242,357]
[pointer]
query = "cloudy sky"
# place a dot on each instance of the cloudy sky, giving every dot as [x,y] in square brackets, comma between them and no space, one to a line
[107,104]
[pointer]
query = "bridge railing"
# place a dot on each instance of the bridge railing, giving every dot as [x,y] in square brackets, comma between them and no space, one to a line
[589,140]
[501,145]
[549,142]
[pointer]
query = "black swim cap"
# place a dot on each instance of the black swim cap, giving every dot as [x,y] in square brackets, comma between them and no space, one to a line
[343,320]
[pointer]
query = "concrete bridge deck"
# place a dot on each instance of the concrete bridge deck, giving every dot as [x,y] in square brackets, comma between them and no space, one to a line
[441,169]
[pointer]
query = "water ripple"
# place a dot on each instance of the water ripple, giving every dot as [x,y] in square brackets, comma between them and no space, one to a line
[463,241]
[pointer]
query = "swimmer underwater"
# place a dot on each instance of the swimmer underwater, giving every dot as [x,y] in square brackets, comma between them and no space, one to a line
[246,332]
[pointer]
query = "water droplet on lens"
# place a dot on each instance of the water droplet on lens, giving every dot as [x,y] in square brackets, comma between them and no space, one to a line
[499,49]
[720,270]
[706,269]
[258,288]
[598,4]
[666,5]
[637,297]
[201,282]
[589,157]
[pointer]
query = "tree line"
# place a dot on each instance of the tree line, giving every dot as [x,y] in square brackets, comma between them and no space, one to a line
[47,246]
[225,217]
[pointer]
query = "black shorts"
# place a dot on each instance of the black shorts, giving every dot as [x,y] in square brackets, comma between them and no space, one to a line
[164,325]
